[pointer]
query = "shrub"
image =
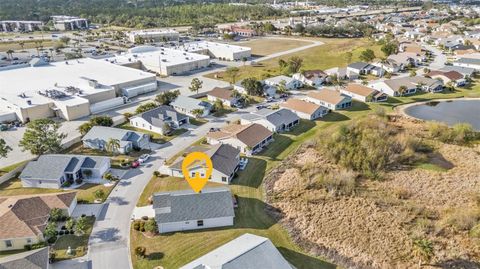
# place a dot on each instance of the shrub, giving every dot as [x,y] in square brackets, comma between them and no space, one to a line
[402,193]
[145,218]
[27,247]
[461,219]
[136,226]
[67,232]
[151,226]
[52,239]
[460,133]
[61,232]
[38,245]
[142,226]
[78,181]
[140,251]
[156,173]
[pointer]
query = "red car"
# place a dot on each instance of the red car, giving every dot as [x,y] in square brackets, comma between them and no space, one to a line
[135,164]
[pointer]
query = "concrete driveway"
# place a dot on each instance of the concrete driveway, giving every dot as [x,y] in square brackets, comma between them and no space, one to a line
[87,210]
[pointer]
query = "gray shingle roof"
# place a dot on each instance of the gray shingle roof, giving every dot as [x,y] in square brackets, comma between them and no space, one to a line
[159,115]
[189,103]
[105,133]
[275,117]
[245,252]
[34,259]
[187,205]
[466,71]
[358,65]
[54,166]
[469,61]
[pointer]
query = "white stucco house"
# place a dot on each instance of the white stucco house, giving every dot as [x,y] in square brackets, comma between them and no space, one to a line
[188,105]
[290,83]
[155,120]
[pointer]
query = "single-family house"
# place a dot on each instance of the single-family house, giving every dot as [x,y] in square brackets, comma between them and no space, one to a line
[404,59]
[305,110]
[407,85]
[225,161]
[186,210]
[448,77]
[159,120]
[330,99]
[190,106]
[389,66]
[98,137]
[341,73]
[249,138]
[469,63]
[465,71]
[363,93]
[54,170]
[474,33]
[223,94]
[274,120]
[33,259]
[25,217]
[247,251]
[360,68]
[312,78]
[290,83]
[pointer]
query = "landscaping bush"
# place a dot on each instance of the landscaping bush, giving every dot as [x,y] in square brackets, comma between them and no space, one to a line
[38,245]
[63,227]
[156,173]
[136,225]
[61,232]
[142,226]
[151,226]
[52,239]
[140,251]
[78,181]
[144,217]
[27,247]
[67,232]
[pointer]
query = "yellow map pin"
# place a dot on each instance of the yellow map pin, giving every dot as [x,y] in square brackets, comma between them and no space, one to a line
[193,164]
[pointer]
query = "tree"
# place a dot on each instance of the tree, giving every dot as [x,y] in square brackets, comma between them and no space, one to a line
[402,90]
[113,145]
[423,250]
[167,97]
[218,105]
[99,194]
[367,55]
[56,214]
[4,148]
[10,54]
[145,107]
[151,226]
[253,86]
[84,128]
[236,94]
[195,85]
[299,28]
[81,225]
[42,136]
[51,230]
[294,64]
[197,112]
[232,73]
[101,121]
[69,224]
[282,88]
[244,60]
[166,128]
[389,48]
[282,64]
[412,73]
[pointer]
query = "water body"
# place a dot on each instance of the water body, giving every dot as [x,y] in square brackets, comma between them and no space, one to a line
[449,112]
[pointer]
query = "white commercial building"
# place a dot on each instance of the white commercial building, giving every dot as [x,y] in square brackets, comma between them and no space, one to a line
[163,61]
[69,89]
[218,50]
[153,35]
[20,26]
[67,23]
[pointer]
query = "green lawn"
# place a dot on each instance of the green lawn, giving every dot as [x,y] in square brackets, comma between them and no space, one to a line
[10,168]
[78,243]
[86,192]
[331,54]
[155,137]
[222,112]
[10,252]
[198,121]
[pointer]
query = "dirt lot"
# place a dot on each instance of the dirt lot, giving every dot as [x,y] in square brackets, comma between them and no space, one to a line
[379,225]
[267,46]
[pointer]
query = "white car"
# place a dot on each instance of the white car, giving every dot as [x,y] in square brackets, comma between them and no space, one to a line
[143,158]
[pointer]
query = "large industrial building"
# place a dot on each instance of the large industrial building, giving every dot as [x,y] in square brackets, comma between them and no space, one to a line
[67,23]
[69,89]
[155,36]
[218,50]
[20,26]
[164,61]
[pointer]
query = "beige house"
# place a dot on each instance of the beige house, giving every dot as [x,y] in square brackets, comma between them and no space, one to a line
[330,99]
[305,110]
[24,218]
[249,138]
[363,93]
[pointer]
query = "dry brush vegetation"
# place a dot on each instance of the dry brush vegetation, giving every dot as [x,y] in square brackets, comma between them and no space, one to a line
[358,197]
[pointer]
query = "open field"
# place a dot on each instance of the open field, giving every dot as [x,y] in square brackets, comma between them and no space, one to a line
[267,46]
[86,192]
[331,54]
[15,45]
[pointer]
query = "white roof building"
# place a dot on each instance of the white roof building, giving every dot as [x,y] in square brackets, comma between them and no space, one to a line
[218,50]
[156,35]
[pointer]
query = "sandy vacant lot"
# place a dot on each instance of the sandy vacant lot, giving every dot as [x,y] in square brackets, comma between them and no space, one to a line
[267,46]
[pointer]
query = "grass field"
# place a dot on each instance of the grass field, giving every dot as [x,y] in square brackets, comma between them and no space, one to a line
[85,192]
[30,44]
[331,54]
[267,46]
[10,168]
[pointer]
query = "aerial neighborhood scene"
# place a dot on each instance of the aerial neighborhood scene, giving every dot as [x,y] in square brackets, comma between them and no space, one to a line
[252,134]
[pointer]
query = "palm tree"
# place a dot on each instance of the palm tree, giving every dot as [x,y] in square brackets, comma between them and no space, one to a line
[423,250]
[402,90]
[10,54]
[113,145]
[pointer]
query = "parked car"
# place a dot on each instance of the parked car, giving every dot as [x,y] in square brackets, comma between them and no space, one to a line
[261,107]
[135,164]
[143,158]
